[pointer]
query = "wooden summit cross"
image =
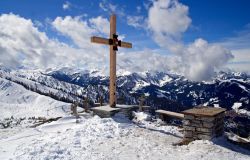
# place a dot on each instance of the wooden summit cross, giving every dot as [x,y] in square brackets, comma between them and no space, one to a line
[113,43]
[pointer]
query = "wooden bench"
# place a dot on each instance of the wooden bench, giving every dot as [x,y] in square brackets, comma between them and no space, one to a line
[164,114]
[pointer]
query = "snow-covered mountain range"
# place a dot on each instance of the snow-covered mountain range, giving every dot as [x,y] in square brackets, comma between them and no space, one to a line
[163,90]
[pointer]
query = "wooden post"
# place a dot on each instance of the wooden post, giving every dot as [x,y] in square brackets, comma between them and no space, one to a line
[112,85]
[141,99]
[101,100]
[86,104]
[74,109]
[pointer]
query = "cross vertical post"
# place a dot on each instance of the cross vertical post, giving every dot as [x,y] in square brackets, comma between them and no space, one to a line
[112,85]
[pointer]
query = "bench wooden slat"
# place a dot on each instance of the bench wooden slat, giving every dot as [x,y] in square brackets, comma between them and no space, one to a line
[171,114]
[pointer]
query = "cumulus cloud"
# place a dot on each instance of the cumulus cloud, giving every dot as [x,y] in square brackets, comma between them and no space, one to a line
[168,17]
[21,40]
[202,59]
[76,29]
[167,21]
[23,45]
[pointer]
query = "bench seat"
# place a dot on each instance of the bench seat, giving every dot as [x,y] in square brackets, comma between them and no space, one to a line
[169,114]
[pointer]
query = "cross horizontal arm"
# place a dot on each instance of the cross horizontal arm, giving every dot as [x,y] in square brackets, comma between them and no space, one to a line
[100,40]
[126,45]
[106,41]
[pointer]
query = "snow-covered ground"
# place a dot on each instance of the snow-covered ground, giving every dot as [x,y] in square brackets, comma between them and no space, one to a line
[19,102]
[111,138]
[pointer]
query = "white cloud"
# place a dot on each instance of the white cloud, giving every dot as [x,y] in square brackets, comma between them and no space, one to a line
[201,59]
[20,40]
[136,21]
[22,44]
[66,6]
[168,17]
[147,60]
[101,24]
[240,47]
[241,55]
[240,66]
[76,29]
[241,61]
[168,20]
[240,41]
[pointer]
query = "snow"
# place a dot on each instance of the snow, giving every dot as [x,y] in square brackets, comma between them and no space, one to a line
[106,108]
[35,79]
[140,116]
[237,138]
[216,105]
[236,107]
[122,72]
[95,138]
[160,94]
[165,80]
[244,88]
[193,94]
[140,84]
[18,102]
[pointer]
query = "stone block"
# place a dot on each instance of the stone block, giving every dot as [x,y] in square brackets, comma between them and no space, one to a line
[188,134]
[205,137]
[196,121]
[207,124]
[205,133]
[189,128]
[196,124]
[207,119]
[190,117]
[209,130]
[186,122]
[188,139]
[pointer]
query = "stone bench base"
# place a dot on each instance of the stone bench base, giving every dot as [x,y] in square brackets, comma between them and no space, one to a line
[203,123]
[107,111]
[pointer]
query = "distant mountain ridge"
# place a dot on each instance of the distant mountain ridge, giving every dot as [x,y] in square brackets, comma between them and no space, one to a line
[163,90]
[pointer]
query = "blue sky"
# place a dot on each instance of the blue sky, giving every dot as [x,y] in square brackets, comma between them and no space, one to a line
[224,22]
